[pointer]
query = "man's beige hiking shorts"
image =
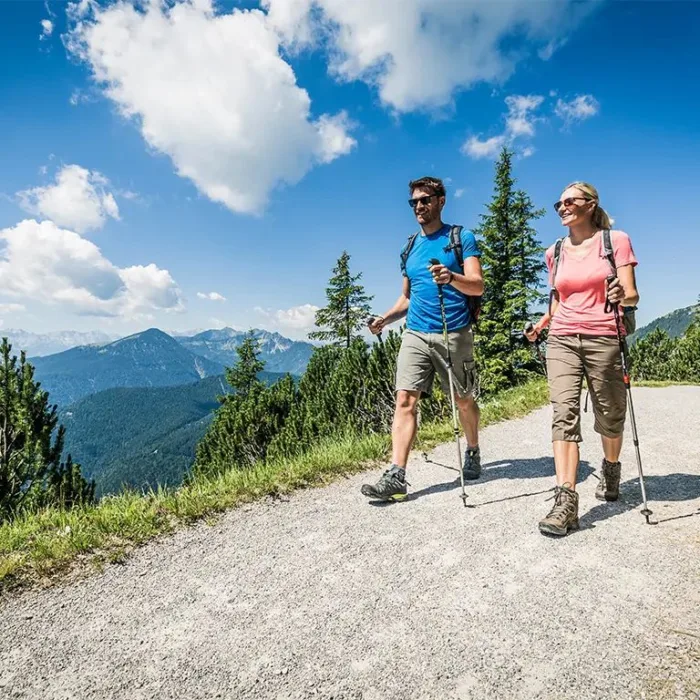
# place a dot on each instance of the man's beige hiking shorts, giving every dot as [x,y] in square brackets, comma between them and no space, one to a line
[423,354]
[569,359]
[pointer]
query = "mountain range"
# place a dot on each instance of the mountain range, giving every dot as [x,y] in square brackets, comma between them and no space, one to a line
[151,358]
[675,323]
[154,358]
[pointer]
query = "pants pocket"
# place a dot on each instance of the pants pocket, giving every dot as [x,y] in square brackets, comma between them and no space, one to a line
[470,379]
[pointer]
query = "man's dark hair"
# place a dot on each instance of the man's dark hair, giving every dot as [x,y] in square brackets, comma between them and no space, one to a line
[431,184]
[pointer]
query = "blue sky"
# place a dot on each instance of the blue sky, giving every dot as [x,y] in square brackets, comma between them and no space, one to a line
[154,157]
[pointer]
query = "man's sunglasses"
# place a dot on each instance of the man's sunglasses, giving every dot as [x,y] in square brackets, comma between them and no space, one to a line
[413,203]
[568,202]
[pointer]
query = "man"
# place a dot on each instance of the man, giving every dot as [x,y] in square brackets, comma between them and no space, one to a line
[423,351]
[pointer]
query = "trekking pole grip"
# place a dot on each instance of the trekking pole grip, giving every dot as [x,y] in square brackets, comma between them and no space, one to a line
[609,306]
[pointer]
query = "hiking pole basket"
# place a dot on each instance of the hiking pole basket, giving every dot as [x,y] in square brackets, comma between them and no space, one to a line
[628,388]
[451,381]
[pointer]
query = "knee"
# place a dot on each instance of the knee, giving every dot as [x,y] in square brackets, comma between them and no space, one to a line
[466,403]
[406,402]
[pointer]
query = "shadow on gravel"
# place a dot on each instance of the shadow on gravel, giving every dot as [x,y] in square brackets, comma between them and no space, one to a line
[660,489]
[502,469]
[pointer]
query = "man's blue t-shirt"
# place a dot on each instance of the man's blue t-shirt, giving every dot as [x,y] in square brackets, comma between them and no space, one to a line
[424,308]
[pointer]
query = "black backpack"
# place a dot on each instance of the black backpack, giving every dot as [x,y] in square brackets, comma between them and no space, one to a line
[629,320]
[473,303]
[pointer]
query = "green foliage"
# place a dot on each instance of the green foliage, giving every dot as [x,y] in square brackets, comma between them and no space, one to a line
[658,357]
[348,306]
[243,376]
[32,474]
[248,419]
[512,262]
[675,324]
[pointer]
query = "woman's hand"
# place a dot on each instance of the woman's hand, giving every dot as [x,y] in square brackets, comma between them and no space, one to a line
[615,292]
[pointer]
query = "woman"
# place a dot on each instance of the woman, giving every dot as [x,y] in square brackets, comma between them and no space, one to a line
[582,341]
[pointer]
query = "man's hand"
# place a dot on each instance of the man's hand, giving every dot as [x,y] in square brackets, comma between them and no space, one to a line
[441,274]
[616,292]
[376,324]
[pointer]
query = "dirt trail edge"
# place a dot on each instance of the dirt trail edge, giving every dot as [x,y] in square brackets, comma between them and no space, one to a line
[326,596]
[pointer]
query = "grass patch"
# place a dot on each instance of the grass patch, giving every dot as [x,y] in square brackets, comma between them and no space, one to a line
[39,547]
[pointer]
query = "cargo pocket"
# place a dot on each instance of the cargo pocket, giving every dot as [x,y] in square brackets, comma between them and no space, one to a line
[470,379]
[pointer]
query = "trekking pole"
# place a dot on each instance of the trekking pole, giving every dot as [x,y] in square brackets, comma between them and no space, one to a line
[538,347]
[450,378]
[626,378]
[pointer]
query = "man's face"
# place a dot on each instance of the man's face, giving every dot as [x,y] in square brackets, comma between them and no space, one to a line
[427,206]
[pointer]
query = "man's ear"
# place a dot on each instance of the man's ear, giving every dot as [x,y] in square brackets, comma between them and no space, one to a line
[442,201]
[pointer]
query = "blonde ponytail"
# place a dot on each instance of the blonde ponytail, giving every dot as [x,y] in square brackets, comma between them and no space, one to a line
[601,218]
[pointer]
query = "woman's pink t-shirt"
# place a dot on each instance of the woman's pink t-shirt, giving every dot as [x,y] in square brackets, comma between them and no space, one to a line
[581,284]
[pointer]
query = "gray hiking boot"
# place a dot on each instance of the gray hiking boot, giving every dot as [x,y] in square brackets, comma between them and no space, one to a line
[564,514]
[609,481]
[390,487]
[472,464]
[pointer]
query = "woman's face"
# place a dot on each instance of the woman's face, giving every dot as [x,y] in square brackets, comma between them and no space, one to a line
[573,207]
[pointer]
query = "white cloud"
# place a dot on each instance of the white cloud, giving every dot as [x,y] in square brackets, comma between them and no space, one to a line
[211,91]
[476,148]
[46,29]
[211,296]
[44,263]
[578,109]
[519,121]
[459,192]
[527,152]
[78,200]
[417,53]
[11,308]
[546,52]
[294,323]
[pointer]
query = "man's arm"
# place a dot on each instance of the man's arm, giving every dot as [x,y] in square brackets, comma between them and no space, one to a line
[470,283]
[397,311]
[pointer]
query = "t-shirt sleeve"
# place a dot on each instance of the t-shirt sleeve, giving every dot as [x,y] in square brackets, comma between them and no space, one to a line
[470,248]
[622,249]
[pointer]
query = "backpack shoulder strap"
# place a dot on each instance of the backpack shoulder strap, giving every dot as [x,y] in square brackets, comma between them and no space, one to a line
[456,244]
[406,251]
[557,256]
[608,251]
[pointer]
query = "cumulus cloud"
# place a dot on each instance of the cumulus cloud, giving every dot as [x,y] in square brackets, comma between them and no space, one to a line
[211,296]
[46,29]
[41,262]
[78,200]
[578,109]
[417,53]
[211,91]
[488,148]
[459,192]
[295,322]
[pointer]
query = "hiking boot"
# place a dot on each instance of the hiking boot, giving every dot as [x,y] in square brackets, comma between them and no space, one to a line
[472,464]
[609,481]
[564,514]
[390,487]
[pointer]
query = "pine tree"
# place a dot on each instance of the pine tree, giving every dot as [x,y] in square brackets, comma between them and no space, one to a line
[243,376]
[348,306]
[32,474]
[512,263]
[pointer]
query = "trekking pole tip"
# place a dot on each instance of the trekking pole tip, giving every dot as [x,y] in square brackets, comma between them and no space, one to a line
[647,514]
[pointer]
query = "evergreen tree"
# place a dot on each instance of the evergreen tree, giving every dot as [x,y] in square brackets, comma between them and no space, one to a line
[512,264]
[32,474]
[243,376]
[348,306]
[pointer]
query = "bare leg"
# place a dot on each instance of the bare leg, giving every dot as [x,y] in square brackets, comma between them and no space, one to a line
[566,458]
[403,430]
[612,447]
[469,418]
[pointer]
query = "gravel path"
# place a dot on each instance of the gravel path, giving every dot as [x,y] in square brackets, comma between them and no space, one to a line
[326,596]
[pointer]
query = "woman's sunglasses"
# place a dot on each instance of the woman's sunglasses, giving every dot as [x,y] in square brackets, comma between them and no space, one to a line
[568,202]
[413,203]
